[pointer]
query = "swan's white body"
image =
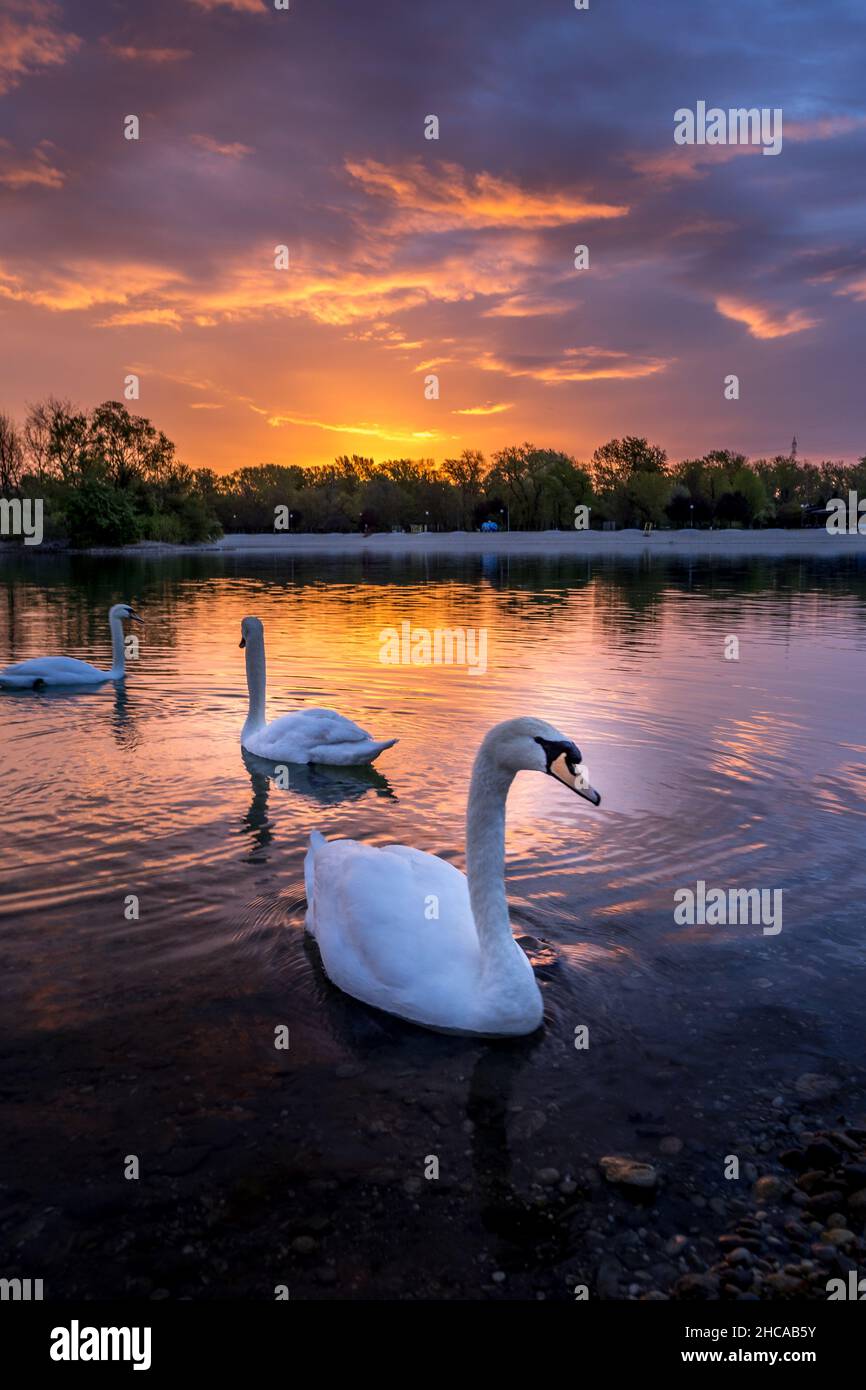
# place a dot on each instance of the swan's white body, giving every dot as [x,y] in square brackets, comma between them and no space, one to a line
[409,933]
[68,670]
[307,735]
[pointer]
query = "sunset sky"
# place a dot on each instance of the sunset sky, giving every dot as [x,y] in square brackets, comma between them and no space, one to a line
[410,256]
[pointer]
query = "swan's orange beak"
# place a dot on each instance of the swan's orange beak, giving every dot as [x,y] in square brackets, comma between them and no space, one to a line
[576,780]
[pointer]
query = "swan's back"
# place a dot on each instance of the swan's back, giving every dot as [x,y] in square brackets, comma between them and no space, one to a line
[318,725]
[315,735]
[394,927]
[49,670]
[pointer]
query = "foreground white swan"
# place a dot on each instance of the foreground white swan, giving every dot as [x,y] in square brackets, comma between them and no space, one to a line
[68,670]
[308,735]
[409,933]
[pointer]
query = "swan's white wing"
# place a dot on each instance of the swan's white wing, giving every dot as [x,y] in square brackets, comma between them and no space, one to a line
[350,754]
[394,927]
[50,670]
[323,725]
[315,735]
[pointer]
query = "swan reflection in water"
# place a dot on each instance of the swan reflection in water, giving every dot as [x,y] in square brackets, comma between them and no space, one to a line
[124,727]
[527,1234]
[319,783]
[120,713]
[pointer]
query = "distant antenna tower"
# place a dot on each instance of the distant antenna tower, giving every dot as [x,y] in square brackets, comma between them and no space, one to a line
[794,447]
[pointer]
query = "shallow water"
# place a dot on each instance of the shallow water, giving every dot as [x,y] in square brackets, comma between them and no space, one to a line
[121,1036]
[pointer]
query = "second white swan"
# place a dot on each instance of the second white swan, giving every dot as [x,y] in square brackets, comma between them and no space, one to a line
[68,670]
[305,736]
[457,967]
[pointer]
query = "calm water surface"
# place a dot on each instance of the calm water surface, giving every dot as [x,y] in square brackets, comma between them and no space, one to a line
[744,773]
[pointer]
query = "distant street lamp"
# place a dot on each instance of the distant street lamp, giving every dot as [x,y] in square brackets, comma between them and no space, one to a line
[426,521]
[503,511]
[691,514]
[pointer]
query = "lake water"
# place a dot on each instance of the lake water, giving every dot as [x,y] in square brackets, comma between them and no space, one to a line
[154,1037]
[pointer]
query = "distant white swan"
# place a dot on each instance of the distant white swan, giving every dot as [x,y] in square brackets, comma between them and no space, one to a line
[307,735]
[409,933]
[68,670]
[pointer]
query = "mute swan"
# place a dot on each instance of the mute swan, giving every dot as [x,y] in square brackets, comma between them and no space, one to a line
[409,933]
[308,735]
[68,670]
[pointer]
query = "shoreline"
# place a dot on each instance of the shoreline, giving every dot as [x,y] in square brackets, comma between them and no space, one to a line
[686,542]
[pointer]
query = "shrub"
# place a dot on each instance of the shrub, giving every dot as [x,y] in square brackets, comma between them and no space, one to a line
[97,514]
[163,527]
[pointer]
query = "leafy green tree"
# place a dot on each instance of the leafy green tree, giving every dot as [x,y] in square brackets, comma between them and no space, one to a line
[466,476]
[536,485]
[41,429]
[646,496]
[126,449]
[384,504]
[788,484]
[565,486]
[97,514]
[614,463]
[11,456]
[745,500]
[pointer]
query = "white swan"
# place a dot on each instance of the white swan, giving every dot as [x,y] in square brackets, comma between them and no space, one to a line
[68,670]
[407,932]
[307,735]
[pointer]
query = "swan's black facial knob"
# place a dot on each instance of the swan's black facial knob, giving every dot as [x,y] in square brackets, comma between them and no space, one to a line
[554,749]
[563,762]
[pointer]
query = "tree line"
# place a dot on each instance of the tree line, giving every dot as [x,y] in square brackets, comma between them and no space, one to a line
[108,477]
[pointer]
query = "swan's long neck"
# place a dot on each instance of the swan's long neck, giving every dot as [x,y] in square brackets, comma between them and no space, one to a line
[256,684]
[118,654]
[485,856]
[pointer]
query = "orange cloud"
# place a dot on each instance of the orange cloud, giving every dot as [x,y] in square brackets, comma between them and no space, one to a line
[855,289]
[38,171]
[526,306]
[763,322]
[695,161]
[848,278]
[702,226]
[485,409]
[823,127]
[85,285]
[687,161]
[30,40]
[363,296]
[362,299]
[161,318]
[347,296]
[433,362]
[130,53]
[231,151]
[576,364]
[370,431]
[243,6]
[194,383]
[452,198]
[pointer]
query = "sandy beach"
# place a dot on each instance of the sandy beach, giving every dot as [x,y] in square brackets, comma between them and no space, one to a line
[815,541]
[809,542]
